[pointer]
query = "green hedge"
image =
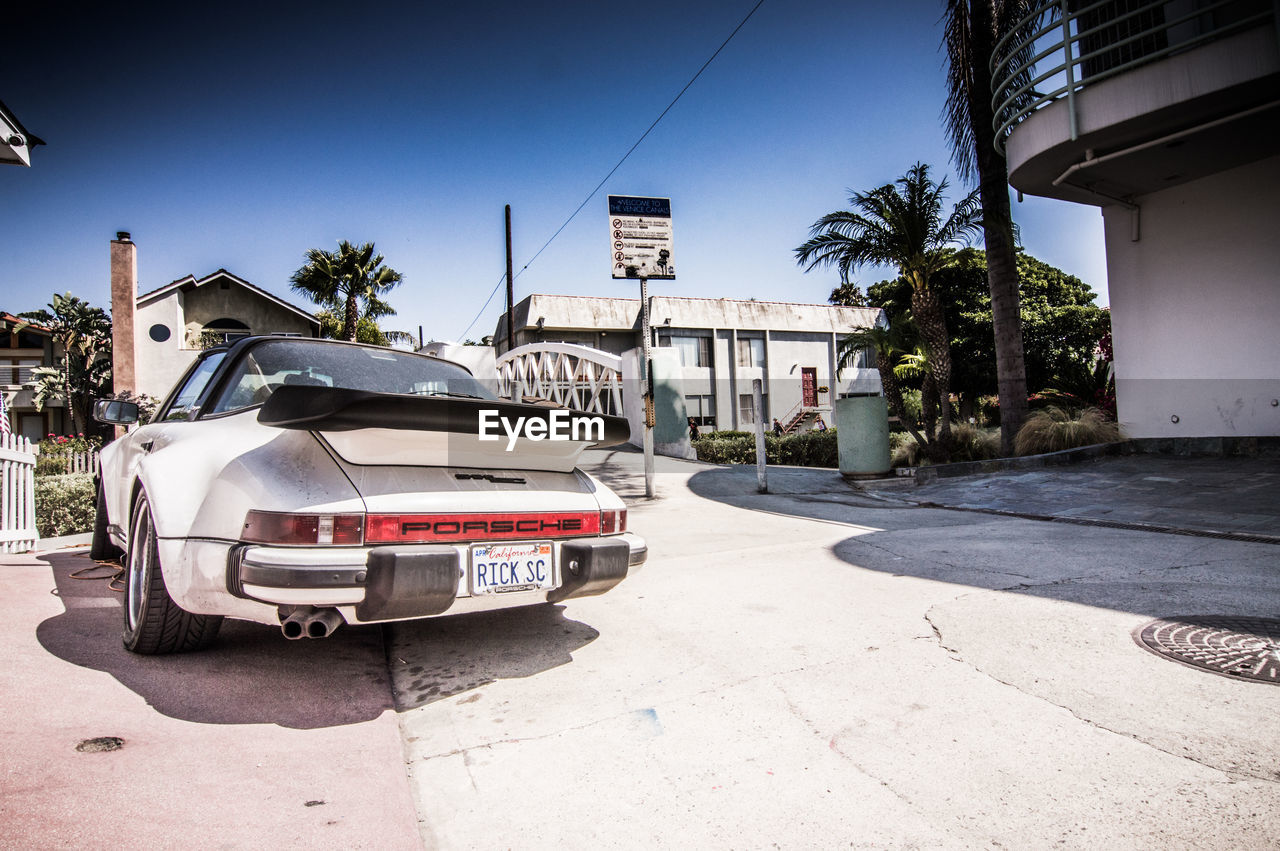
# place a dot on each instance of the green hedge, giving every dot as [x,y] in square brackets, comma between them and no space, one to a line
[809,449]
[65,504]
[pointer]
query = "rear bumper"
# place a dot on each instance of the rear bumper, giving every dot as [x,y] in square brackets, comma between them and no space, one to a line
[413,581]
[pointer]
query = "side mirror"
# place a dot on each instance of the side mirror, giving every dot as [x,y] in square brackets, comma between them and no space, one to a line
[115,411]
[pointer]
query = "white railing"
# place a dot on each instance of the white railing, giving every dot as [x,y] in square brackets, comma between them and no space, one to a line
[576,377]
[17,495]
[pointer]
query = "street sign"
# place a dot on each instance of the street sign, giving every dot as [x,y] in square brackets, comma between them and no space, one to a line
[640,237]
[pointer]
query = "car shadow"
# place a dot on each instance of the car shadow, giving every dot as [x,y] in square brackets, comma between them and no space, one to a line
[435,659]
[252,674]
[1139,572]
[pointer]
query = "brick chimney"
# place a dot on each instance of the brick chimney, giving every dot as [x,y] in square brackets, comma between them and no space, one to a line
[124,294]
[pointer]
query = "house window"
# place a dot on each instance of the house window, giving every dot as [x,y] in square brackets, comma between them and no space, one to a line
[17,372]
[702,409]
[693,351]
[751,352]
[746,409]
[223,330]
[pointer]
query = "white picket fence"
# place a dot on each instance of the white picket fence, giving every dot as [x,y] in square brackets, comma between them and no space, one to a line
[85,461]
[17,495]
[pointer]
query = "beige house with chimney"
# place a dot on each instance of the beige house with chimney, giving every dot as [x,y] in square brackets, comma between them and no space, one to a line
[176,322]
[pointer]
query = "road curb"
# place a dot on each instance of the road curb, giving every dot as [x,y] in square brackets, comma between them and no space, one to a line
[1214,447]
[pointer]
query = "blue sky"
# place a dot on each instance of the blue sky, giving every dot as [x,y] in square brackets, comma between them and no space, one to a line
[240,135]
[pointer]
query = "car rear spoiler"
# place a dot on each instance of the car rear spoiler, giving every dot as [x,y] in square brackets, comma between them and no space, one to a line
[339,409]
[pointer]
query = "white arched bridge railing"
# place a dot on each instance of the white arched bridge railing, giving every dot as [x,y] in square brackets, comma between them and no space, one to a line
[576,377]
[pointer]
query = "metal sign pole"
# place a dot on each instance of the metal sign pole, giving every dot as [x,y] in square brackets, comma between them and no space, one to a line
[757,399]
[646,376]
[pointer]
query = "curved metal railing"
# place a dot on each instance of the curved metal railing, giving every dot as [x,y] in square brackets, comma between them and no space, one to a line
[576,377]
[1088,42]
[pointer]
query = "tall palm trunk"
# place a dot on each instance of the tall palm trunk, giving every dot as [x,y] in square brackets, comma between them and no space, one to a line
[68,400]
[929,403]
[1002,279]
[972,29]
[927,309]
[351,319]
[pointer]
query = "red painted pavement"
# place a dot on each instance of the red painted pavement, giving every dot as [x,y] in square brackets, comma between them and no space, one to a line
[256,742]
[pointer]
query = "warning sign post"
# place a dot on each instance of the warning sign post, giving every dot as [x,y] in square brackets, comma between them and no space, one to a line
[640,247]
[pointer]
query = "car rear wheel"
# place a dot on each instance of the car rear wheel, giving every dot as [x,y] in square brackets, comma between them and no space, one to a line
[101,548]
[153,623]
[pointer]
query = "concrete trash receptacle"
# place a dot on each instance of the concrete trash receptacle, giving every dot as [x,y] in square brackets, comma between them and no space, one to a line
[862,436]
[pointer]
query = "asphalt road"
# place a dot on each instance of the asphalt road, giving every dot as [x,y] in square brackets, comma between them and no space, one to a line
[809,668]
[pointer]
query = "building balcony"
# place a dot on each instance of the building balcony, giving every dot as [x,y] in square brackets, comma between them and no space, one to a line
[1101,102]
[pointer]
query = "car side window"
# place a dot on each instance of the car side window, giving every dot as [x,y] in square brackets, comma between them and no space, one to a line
[189,393]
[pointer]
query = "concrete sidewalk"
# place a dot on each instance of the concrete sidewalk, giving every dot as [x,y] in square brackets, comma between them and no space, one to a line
[1214,497]
[821,667]
[256,742]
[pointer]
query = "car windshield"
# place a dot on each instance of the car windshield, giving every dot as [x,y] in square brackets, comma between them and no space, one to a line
[277,363]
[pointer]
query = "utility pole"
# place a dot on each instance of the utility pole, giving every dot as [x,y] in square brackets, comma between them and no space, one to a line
[511,332]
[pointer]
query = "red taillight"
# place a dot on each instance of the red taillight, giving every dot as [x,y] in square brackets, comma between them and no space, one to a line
[276,527]
[613,522]
[417,528]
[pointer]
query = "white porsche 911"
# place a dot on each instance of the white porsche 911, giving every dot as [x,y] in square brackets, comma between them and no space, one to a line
[310,483]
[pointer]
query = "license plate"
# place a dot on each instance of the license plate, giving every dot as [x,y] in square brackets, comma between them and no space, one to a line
[501,568]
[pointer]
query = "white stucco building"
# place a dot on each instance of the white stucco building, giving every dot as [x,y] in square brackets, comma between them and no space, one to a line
[722,344]
[1167,117]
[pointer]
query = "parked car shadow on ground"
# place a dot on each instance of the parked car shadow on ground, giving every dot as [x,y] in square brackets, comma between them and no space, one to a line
[253,675]
[432,660]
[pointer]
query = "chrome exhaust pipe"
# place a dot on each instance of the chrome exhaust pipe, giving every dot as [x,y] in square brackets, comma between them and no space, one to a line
[321,623]
[294,624]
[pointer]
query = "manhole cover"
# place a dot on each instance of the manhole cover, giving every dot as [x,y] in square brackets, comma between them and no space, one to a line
[1241,648]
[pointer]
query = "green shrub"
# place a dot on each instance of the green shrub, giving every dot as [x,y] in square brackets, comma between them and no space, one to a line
[1053,429]
[65,504]
[904,451]
[970,443]
[808,449]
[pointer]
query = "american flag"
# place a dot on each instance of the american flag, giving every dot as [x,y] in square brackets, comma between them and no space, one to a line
[5,430]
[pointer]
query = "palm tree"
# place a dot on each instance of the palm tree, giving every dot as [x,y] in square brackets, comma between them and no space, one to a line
[83,332]
[345,281]
[971,30]
[900,224]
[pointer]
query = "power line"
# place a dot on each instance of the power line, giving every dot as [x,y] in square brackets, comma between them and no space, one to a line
[630,150]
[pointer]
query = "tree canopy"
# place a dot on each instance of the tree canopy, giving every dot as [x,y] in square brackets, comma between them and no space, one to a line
[84,334]
[350,282]
[1062,325]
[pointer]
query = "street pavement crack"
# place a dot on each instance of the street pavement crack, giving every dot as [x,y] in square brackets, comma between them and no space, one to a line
[834,746]
[954,654]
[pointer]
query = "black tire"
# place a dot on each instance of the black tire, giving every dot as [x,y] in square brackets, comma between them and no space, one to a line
[101,548]
[153,623]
